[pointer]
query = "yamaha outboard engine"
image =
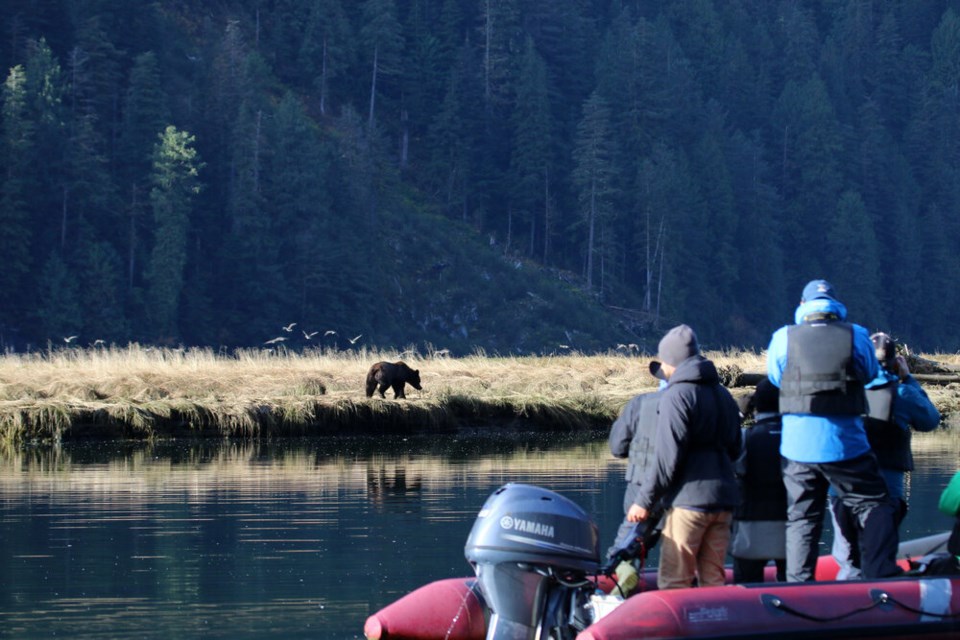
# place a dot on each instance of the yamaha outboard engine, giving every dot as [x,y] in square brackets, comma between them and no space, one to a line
[532,550]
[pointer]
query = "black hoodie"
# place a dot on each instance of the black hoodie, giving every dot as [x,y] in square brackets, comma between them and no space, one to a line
[698,440]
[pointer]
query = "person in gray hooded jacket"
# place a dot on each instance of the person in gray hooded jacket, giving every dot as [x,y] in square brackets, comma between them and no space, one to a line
[698,440]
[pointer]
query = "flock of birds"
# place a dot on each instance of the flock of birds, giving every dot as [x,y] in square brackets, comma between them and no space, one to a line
[307,335]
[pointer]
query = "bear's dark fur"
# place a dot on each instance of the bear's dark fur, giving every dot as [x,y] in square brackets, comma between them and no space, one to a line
[392,374]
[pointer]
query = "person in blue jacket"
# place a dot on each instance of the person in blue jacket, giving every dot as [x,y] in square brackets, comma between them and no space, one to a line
[821,365]
[896,404]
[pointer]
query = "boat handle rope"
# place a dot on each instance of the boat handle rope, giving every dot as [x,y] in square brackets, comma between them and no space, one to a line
[880,598]
[888,598]
[780,605]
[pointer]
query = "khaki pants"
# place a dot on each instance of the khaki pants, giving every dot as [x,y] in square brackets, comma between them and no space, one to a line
[694,543]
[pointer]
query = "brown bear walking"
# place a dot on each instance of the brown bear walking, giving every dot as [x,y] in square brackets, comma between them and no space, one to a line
[392,374]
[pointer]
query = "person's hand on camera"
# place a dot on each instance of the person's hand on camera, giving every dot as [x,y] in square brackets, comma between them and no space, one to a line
[901,368]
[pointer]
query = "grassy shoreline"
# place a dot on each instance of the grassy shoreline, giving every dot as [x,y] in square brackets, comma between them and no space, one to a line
[138,392]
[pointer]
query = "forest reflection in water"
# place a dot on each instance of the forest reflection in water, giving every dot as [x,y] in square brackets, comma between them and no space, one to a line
[284,538]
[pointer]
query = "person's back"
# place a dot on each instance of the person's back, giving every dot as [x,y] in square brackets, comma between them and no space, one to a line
[698,438]
[896,405]
[632,436]
[821,365]
[759,531]
[707,438]
[822,425]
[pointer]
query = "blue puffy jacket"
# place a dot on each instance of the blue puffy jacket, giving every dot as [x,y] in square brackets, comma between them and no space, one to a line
[812,438]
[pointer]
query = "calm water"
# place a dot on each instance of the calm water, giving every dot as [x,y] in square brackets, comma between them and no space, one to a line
[292,539]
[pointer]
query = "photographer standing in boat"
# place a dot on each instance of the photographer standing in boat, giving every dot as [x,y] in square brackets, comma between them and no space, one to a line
[632,436]
[759,526]
[698,439]
[821,365]
[895,404]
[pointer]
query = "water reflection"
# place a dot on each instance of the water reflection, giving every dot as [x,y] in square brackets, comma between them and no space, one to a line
[292,538]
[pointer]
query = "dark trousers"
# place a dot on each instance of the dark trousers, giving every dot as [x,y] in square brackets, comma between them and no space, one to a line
[860,487]
[746,570]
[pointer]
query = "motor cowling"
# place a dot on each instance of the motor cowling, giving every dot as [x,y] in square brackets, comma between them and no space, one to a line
[525,542]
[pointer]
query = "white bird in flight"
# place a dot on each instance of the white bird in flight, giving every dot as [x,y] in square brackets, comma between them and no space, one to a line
[354,340]
[290,327]
[69,339]
[309,335]
[275,340]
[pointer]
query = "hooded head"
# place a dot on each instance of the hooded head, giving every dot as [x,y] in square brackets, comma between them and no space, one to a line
[818,302]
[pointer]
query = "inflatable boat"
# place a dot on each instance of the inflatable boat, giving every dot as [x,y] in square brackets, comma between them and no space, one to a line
[538,576]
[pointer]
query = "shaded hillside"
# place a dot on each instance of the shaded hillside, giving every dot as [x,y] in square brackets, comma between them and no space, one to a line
[205,173]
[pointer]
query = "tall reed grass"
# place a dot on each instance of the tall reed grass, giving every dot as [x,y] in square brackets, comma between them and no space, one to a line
[143,392]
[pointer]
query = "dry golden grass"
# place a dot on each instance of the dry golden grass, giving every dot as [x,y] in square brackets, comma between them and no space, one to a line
[144,392]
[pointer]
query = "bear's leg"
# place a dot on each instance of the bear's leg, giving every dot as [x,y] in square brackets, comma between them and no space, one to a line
[398,390]
[383,387]
[371,386]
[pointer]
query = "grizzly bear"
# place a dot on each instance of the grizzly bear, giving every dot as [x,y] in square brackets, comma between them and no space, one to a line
[392,374]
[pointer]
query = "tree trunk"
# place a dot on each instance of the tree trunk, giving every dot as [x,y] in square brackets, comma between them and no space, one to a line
[323,80]
[373,88]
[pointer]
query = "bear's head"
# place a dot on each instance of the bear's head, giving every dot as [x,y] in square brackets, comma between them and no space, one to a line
[414,379]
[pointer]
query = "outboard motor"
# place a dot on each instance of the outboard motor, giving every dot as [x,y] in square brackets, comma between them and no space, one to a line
[532,550]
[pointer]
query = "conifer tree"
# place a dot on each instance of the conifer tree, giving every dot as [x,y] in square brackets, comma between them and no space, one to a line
[45,90]
[453,140]
[16,149]
[593,175]
[59,312]
[145,115]
[531,164]
[325,53]
[176,183]
[101,284]
[382,37]
[855,261]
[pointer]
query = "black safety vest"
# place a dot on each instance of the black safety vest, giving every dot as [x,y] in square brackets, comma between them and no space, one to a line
[889,441]
[641,445]
[819,377]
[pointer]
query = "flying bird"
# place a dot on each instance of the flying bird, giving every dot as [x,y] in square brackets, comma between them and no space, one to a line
[329,332]
[310,335]
[69,339]
[98,343]
[290,327]
[275,340]
[354,340]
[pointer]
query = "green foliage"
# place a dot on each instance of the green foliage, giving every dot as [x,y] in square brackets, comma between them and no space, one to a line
[16,148]
[176,169]
[58,300]
[694,161]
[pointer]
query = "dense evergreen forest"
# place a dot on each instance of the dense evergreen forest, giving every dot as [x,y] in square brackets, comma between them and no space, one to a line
[512,175]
